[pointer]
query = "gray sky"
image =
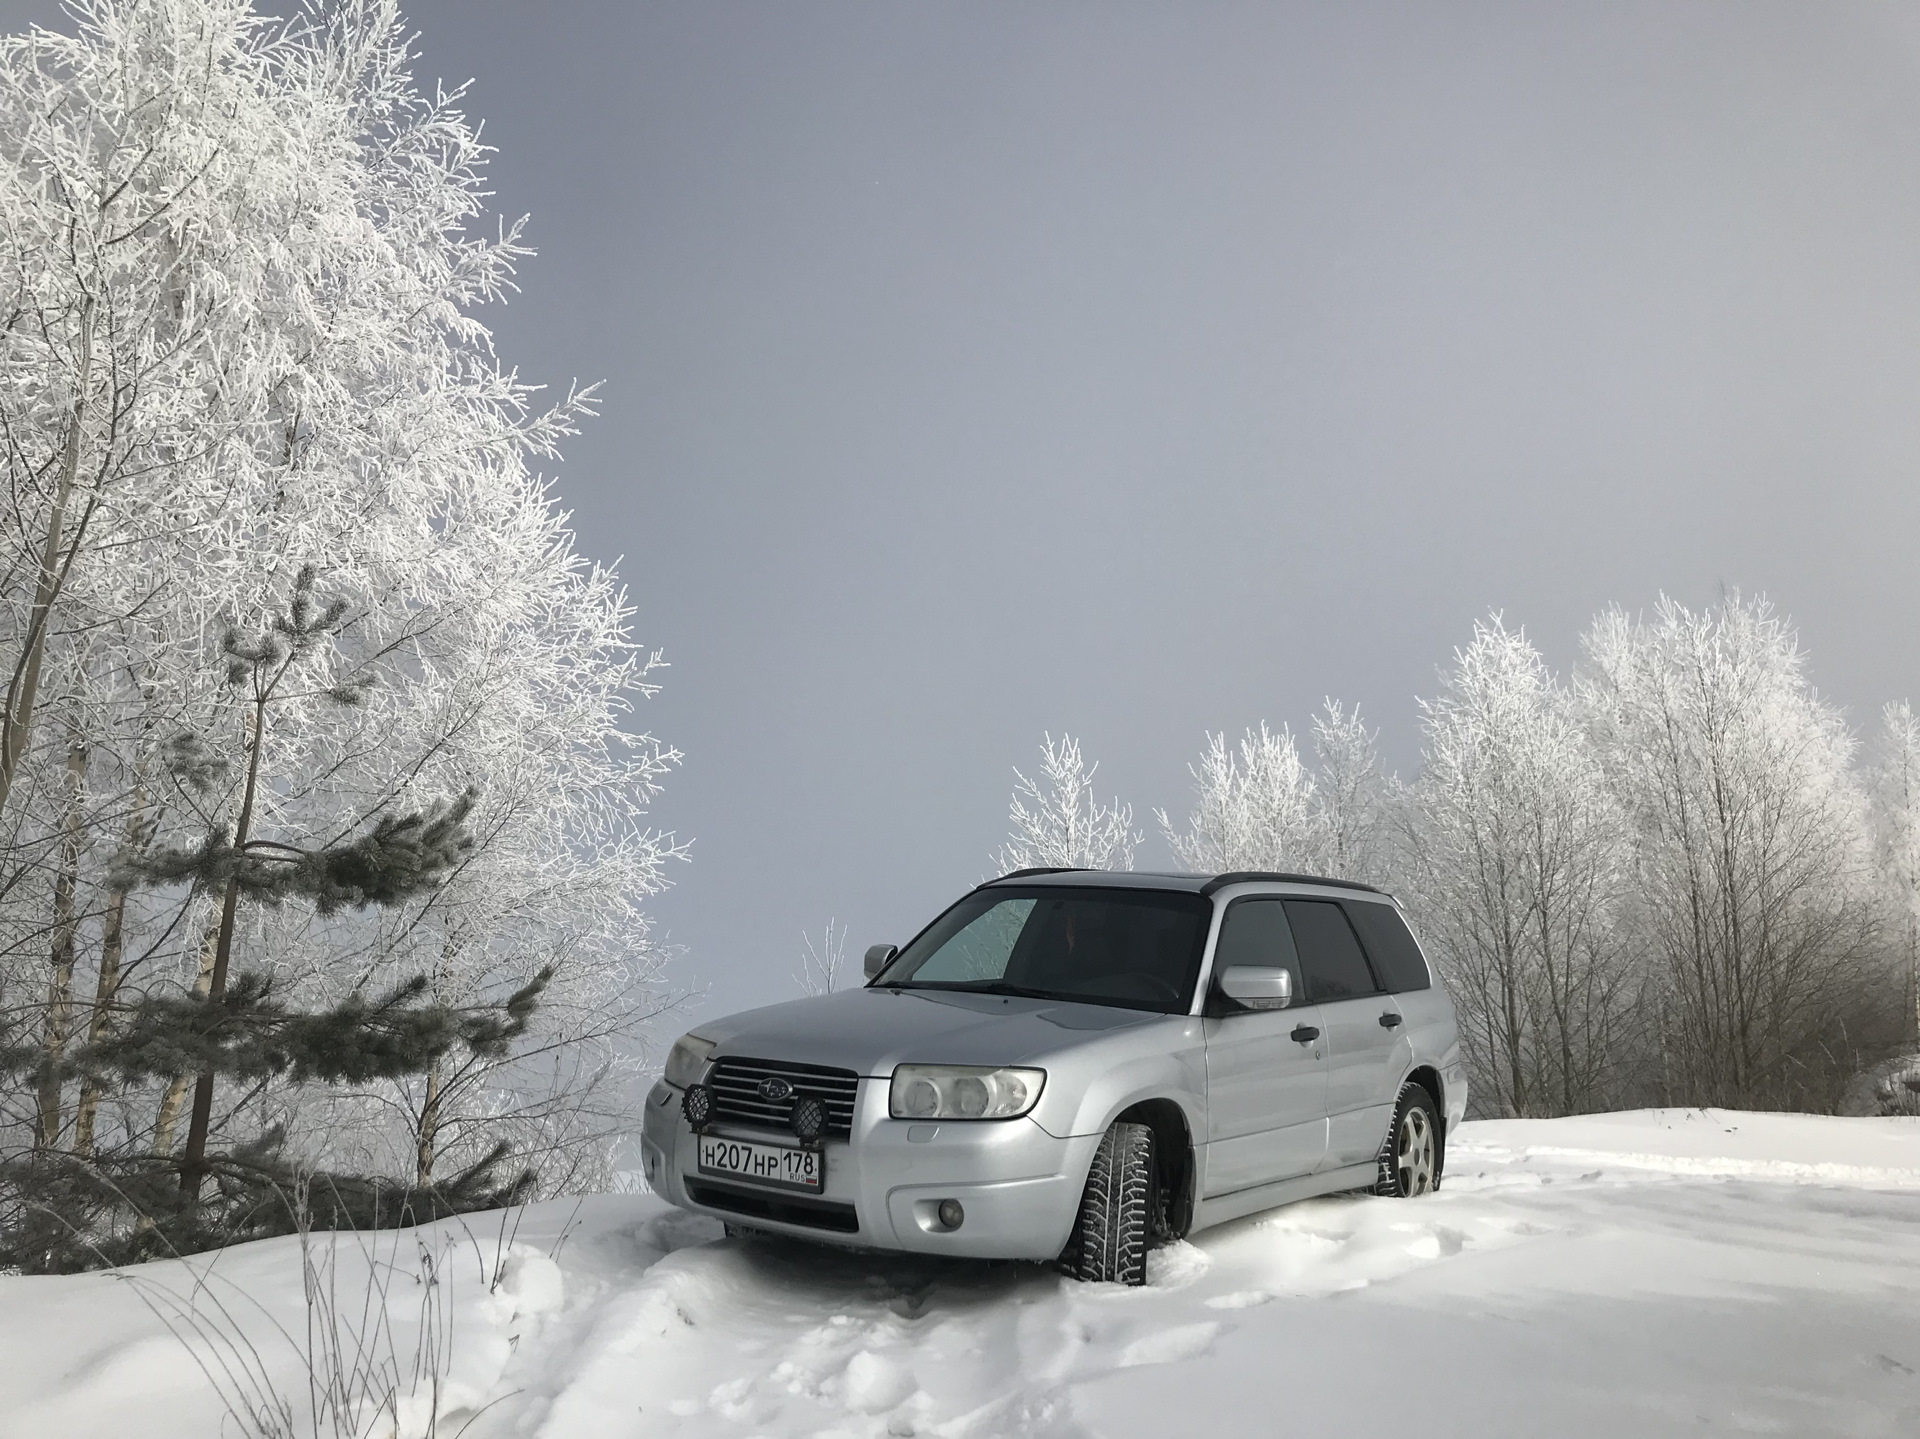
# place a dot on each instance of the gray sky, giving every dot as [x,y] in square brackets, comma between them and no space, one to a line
[980,369]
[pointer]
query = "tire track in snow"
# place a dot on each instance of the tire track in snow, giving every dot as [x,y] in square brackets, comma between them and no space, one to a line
[743,1337]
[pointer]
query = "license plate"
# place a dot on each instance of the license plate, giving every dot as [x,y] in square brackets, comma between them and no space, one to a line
[780,1164]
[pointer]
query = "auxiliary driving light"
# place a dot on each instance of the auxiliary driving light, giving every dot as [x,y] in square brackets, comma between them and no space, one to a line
[697,1105]
[952,1216]
[809,1118]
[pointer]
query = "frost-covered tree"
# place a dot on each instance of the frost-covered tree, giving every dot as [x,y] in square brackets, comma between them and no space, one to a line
[398,857]
[117,418]
[1057,822]
[242,259]
[1258,806]
[822,966]
[1353,798]
[66,1212]
[1253,808]
[1518,869]
[1753,859]
[1895,780]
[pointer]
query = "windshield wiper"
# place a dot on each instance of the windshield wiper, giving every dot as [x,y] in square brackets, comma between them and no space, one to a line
[1019,991]
[979,986]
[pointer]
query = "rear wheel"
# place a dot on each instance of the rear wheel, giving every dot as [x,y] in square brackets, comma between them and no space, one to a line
[1410,1159]
[1109,1240]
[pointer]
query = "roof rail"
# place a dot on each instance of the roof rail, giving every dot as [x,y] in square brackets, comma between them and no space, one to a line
[1242,876]
[1040,869]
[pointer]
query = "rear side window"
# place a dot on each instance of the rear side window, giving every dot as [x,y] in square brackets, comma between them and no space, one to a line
[1335,965]
[1255,932]
[1391,947]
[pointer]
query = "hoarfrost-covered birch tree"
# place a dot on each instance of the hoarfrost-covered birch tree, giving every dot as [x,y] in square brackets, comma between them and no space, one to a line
[1260,807]
[1353,799]
[1895,781]
[1517,871]
[241,260]
[1253,808]
[1057,822]
[1755,902]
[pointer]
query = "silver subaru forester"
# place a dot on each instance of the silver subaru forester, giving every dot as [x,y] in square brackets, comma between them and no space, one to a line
[1071,1065]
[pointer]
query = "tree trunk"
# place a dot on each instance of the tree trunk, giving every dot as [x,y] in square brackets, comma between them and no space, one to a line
[193,1162]
[107,990]
[59,1016]
[176,1093]
[1913,978]
[429,1126]
[104,995]
[429,1131]
[24,688]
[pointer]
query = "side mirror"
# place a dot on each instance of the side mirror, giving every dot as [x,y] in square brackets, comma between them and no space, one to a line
[878,958]
[1257,986]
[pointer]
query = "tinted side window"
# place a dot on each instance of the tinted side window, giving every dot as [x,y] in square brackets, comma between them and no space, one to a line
[1390,945]
[1255,932]
[1336,968]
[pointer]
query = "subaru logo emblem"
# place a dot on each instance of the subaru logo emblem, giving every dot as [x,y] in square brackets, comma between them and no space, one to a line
[775,1089]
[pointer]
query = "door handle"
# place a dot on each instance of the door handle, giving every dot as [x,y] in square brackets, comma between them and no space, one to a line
[1389,1020]
[1305,1033]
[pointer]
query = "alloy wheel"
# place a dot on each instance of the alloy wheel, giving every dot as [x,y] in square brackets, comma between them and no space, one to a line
[1414,1151]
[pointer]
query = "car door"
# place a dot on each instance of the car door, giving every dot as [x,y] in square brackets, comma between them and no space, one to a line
[1426,1028]
[1266,1069]
[1361,1025]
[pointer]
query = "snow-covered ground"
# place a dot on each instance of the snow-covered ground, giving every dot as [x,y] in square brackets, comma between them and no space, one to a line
[1662,1272]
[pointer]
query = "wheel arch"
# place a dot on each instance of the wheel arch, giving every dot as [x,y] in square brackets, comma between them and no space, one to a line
[1428,1078]
[1174,1155]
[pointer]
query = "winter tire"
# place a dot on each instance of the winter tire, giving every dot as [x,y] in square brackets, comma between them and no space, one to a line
[1109,1241]
[1410,1159]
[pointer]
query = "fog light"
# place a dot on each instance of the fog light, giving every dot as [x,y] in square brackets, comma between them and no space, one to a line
[809,1119]
[697,1106]
[952,1216]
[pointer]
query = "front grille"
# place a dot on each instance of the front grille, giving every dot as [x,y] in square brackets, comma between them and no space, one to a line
[757,1204]
[737,1099]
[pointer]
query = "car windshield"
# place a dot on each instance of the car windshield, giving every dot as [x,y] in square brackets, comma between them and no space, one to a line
[1137,949]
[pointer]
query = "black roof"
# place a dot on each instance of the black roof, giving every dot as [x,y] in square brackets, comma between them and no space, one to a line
[1189,883]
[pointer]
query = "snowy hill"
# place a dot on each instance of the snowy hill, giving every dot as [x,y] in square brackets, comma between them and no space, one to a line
[1661,1272]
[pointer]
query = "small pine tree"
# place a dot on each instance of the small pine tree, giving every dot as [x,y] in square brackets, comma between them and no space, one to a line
[73,1212]
[64,1212]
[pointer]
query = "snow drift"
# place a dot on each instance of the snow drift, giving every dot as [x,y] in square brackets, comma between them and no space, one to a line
[1658,1272]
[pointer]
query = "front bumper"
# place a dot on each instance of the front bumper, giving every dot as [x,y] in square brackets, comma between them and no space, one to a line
[1020,1187]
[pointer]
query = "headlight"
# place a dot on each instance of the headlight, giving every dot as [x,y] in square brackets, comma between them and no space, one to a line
[687,1060]
[959,1091]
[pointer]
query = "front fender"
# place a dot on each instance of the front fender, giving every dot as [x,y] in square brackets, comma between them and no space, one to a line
[1093,1103]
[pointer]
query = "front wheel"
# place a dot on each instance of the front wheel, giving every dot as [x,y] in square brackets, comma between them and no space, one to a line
[1410,1159]
[1109,1240]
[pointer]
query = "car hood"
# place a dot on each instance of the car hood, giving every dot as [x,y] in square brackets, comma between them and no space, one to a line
[871,1030]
